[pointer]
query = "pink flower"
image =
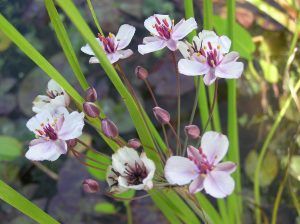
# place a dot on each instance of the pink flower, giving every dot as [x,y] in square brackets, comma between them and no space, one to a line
[208,55]
[202,169]
[52,129]
[165,33]
[113,45]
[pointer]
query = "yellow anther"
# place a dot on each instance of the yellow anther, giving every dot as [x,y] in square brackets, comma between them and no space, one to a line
[110,35]
[219,46]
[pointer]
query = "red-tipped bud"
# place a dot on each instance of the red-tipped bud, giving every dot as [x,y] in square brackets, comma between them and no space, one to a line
[91,109]
[134,143]
[90,186]
[109,128]
[71,143]
[141,72]
[91,94]
[192,131]
[161,115]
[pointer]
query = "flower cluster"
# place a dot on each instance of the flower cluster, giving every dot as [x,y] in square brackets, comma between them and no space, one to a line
[53,125]
[56,128]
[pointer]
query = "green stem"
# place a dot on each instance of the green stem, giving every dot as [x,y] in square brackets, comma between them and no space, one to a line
[128,212]
[280,190]
[94,16]
[235,200]
[264,151]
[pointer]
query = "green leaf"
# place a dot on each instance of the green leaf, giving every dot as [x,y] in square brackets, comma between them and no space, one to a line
[65,43]
[126,195]
[12,197]
[99,162]
[270,71]
[10,148]
[105,208]
[243,44]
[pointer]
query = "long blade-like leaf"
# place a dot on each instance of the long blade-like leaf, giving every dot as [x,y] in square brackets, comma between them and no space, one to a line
[12,197]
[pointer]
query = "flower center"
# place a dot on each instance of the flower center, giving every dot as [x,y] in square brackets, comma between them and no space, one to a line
[47,132]
[211,54]
[108,43]
[135,174]
[203,165]
[163,28]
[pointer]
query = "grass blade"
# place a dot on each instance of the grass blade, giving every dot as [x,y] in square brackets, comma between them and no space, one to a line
[12,197]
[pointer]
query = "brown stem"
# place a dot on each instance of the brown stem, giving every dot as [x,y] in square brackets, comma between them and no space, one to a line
[91,148]
[84,163]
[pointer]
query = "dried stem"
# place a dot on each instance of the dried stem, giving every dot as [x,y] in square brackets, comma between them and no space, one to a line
[91,148]
[46,170]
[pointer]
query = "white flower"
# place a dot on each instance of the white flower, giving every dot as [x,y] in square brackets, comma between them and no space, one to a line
[165,33]
[56,96]
[113,45]
[202,169]
[208,55]
[52,129]
[130,171]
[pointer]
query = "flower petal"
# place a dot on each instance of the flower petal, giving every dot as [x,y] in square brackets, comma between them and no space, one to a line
[124,156]
[183,28]
[206,34]
[225,44]
[151,21]
[114,57]
[123,183]
[150,39]
[125,53]
[218,184]
[152,46]
[35,122]
[209,78]
[46,150]
[54,87]
[172,45]
[93,60]
[72,126]
[196,185]
[230,70]
[40,102]
[180,170]
[228,167]
[194,154]
[184,49]
[230,57]
[87,48]
[192,68]
[214,145]
[125,35]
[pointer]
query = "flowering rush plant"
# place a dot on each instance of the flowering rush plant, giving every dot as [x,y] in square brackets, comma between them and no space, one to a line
[186,169]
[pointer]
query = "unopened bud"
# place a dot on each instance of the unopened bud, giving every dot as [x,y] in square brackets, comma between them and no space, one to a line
[161,115]
[90,186]
[91,109]
[109,128]
[192,131]
[134,143]
[71,143]
[141,72]
[91,94]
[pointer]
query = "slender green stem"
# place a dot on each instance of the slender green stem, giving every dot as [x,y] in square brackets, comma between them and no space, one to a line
[178,148]
[94,16]
[265,148]
[235,200]
[192,115]
[128,212]
[280,190]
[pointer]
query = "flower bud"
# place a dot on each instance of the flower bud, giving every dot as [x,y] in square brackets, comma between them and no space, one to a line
[134,143]
[109,128]
[161,115]
[90,186]
[71,143]
[91,94]
[141,73]
[192,131]
[91,109]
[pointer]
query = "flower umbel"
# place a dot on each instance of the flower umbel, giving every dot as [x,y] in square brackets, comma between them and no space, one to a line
[202,169]
[165,33]
[113,45]
[56,96]
[209,55]
[52,129]
[130,171]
